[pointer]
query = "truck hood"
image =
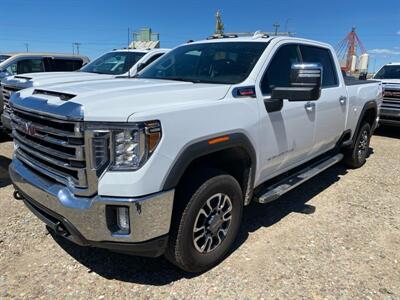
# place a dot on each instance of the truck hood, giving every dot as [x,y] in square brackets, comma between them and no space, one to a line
[47,78]
[389,81]
[116,100]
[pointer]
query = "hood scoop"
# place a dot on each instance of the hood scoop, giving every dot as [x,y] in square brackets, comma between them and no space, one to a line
[61,96]
[22,77]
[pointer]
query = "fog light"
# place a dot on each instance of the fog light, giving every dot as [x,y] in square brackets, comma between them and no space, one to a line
[117,218]
[123,219]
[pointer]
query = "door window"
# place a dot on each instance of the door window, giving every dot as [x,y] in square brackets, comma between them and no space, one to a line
[311,54]
[153,58]
[278,71]
[30,66]
[57,65]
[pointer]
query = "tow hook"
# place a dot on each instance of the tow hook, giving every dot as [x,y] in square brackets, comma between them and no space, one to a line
[18,196]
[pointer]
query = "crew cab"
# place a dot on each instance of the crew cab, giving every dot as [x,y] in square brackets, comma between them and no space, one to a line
[117,63]
[389,75]
[165,163]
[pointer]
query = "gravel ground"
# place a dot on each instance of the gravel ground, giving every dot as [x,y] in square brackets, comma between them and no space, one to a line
[335,237]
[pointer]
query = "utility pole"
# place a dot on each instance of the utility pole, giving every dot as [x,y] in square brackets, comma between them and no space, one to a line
[276,26]
[129,37]
[27,47]
[77,47]
[286,24]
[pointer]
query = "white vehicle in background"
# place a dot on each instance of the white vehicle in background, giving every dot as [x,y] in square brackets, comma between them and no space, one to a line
[165,163]
[117,63]
[389,75]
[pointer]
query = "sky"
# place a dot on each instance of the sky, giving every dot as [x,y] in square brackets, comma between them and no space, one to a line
[100,25]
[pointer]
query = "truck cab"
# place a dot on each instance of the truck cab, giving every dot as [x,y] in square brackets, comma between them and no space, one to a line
[163,164]
[389,75]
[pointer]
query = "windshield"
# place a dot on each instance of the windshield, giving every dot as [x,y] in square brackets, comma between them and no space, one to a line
[113,63]
[223,62]
[4,57]
[388,72]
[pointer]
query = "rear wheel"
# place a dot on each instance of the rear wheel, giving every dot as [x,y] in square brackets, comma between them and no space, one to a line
[207,223]
[356,156]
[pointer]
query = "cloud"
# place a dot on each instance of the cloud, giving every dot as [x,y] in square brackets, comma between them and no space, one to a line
[398,32]
[384,51]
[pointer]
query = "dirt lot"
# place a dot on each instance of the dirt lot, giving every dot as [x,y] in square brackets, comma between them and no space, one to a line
[335,237]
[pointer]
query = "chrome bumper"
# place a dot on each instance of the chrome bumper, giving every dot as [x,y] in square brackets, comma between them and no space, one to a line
[150,216]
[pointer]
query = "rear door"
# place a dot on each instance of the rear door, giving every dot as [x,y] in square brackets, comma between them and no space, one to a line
[331,108]
[287,134]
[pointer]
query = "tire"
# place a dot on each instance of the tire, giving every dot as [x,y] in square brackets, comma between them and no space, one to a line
[187,240]
[356,156]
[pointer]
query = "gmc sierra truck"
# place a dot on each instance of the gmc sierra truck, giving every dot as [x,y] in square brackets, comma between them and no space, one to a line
[389,75]
[164,163]
[117,63]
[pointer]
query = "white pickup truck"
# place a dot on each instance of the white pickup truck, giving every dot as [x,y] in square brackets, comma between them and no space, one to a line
[164,163]
[389,75]
[117,63]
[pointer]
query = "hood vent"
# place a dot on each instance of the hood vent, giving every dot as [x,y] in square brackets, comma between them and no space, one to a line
[22,77]
[62,96]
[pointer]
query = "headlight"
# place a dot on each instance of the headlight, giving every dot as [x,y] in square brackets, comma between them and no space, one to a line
[131,144]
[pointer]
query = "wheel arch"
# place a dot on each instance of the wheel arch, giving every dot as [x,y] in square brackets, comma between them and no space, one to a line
[368,113]
[235,148]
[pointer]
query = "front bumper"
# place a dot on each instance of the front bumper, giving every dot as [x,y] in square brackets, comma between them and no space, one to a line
[390,116]
[83,220]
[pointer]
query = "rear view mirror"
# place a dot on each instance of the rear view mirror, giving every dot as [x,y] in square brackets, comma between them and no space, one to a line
[305,83]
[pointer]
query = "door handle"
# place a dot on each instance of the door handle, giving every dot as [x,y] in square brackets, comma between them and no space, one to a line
[309,106]
[342,100]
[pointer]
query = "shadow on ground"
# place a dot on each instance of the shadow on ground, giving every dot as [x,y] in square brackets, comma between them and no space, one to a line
[160,272]
[388,131]
[4,176]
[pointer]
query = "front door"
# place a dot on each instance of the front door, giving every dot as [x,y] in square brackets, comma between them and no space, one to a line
[286,134]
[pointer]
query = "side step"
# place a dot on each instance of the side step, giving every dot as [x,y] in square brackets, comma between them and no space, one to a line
[276,190]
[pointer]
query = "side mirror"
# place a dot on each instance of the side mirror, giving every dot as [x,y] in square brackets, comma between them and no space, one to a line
[305,83]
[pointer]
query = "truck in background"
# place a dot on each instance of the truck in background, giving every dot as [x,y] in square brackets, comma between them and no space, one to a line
[117,63]
[15,63]
[389,75]
[165,163]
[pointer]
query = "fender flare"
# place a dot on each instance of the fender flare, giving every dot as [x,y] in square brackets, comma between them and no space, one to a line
[201,148]
[370,104]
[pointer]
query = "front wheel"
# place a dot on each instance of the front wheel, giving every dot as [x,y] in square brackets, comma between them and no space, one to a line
[356,156]
[208,223]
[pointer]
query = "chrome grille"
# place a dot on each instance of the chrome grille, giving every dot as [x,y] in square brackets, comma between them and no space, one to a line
[54,148]
[391,98]
[7,91]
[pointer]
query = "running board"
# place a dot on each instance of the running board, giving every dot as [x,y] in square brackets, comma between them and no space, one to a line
[276,190]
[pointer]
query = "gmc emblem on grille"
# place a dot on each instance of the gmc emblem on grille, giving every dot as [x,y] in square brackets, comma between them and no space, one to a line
[392,94]
[28,129]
